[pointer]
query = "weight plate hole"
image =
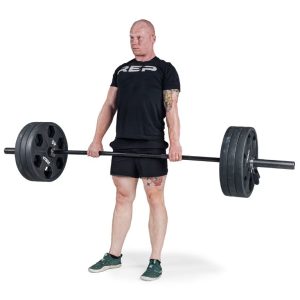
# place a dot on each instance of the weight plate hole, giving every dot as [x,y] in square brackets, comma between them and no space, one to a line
[251,184]
[59,163]
[39,140]
[37,161]
[51,131]
[60,143]
[48,172]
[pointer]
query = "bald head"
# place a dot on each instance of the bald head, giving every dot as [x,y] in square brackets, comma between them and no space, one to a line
[144,23]
[142,38]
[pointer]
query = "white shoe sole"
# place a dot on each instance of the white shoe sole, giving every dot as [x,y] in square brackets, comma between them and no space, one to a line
[149,278]
[104,268]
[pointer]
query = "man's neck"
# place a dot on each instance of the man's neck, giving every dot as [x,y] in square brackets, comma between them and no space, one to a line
[145,57]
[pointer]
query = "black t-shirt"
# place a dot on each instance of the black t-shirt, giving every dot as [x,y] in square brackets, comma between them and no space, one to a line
[140,107]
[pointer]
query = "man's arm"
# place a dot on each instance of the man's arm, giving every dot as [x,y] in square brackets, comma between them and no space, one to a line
[104,120]
[173,123]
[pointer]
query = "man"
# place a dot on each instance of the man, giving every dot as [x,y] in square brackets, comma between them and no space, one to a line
[143,91]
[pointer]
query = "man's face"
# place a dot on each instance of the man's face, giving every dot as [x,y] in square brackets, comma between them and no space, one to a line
[141,40]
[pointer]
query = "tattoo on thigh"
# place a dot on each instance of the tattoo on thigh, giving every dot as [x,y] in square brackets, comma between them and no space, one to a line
[154,181]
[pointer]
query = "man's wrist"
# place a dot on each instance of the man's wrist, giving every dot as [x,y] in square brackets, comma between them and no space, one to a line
[174,143]
[97,140]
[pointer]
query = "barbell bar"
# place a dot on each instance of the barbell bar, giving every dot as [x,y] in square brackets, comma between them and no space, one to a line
[41,152]
[262,163]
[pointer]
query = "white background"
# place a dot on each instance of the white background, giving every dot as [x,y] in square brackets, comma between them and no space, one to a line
[238,63]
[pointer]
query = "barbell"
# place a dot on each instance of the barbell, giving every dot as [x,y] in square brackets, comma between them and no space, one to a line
[41,153]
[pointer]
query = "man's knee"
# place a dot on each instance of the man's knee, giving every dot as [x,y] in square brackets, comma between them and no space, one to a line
[125,190]
[154,188]
[124,196]
[155,196]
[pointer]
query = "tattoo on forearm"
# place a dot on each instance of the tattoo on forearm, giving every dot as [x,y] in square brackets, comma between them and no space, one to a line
[154,181]
[168,98]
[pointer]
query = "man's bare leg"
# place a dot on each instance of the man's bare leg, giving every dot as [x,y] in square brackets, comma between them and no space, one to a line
[125,195]
[158,218]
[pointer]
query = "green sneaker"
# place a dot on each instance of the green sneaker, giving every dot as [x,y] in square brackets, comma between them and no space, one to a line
[107,262]
[153,271]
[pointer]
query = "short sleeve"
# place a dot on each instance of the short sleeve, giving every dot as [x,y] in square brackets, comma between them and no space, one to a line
[115,79]
[171,78]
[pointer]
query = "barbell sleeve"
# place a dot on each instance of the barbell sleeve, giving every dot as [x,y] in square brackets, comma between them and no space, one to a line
[9,150]
[276,164]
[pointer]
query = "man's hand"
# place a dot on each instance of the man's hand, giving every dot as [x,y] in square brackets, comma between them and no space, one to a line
[94,149]
[175,152]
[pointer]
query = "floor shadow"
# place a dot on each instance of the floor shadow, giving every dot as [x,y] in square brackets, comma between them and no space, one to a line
[175,265]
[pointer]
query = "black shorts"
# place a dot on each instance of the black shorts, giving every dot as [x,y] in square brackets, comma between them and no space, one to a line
[139,167]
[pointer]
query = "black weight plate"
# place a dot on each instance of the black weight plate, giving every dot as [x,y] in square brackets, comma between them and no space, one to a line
[223,161]
[24,155]
[42,164]
[227,160]
[35,144]
[20,150]
[17,149]
[247,149]
[231,158]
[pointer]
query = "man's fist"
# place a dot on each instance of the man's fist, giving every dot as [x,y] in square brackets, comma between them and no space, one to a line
[94,149]
[175,152]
